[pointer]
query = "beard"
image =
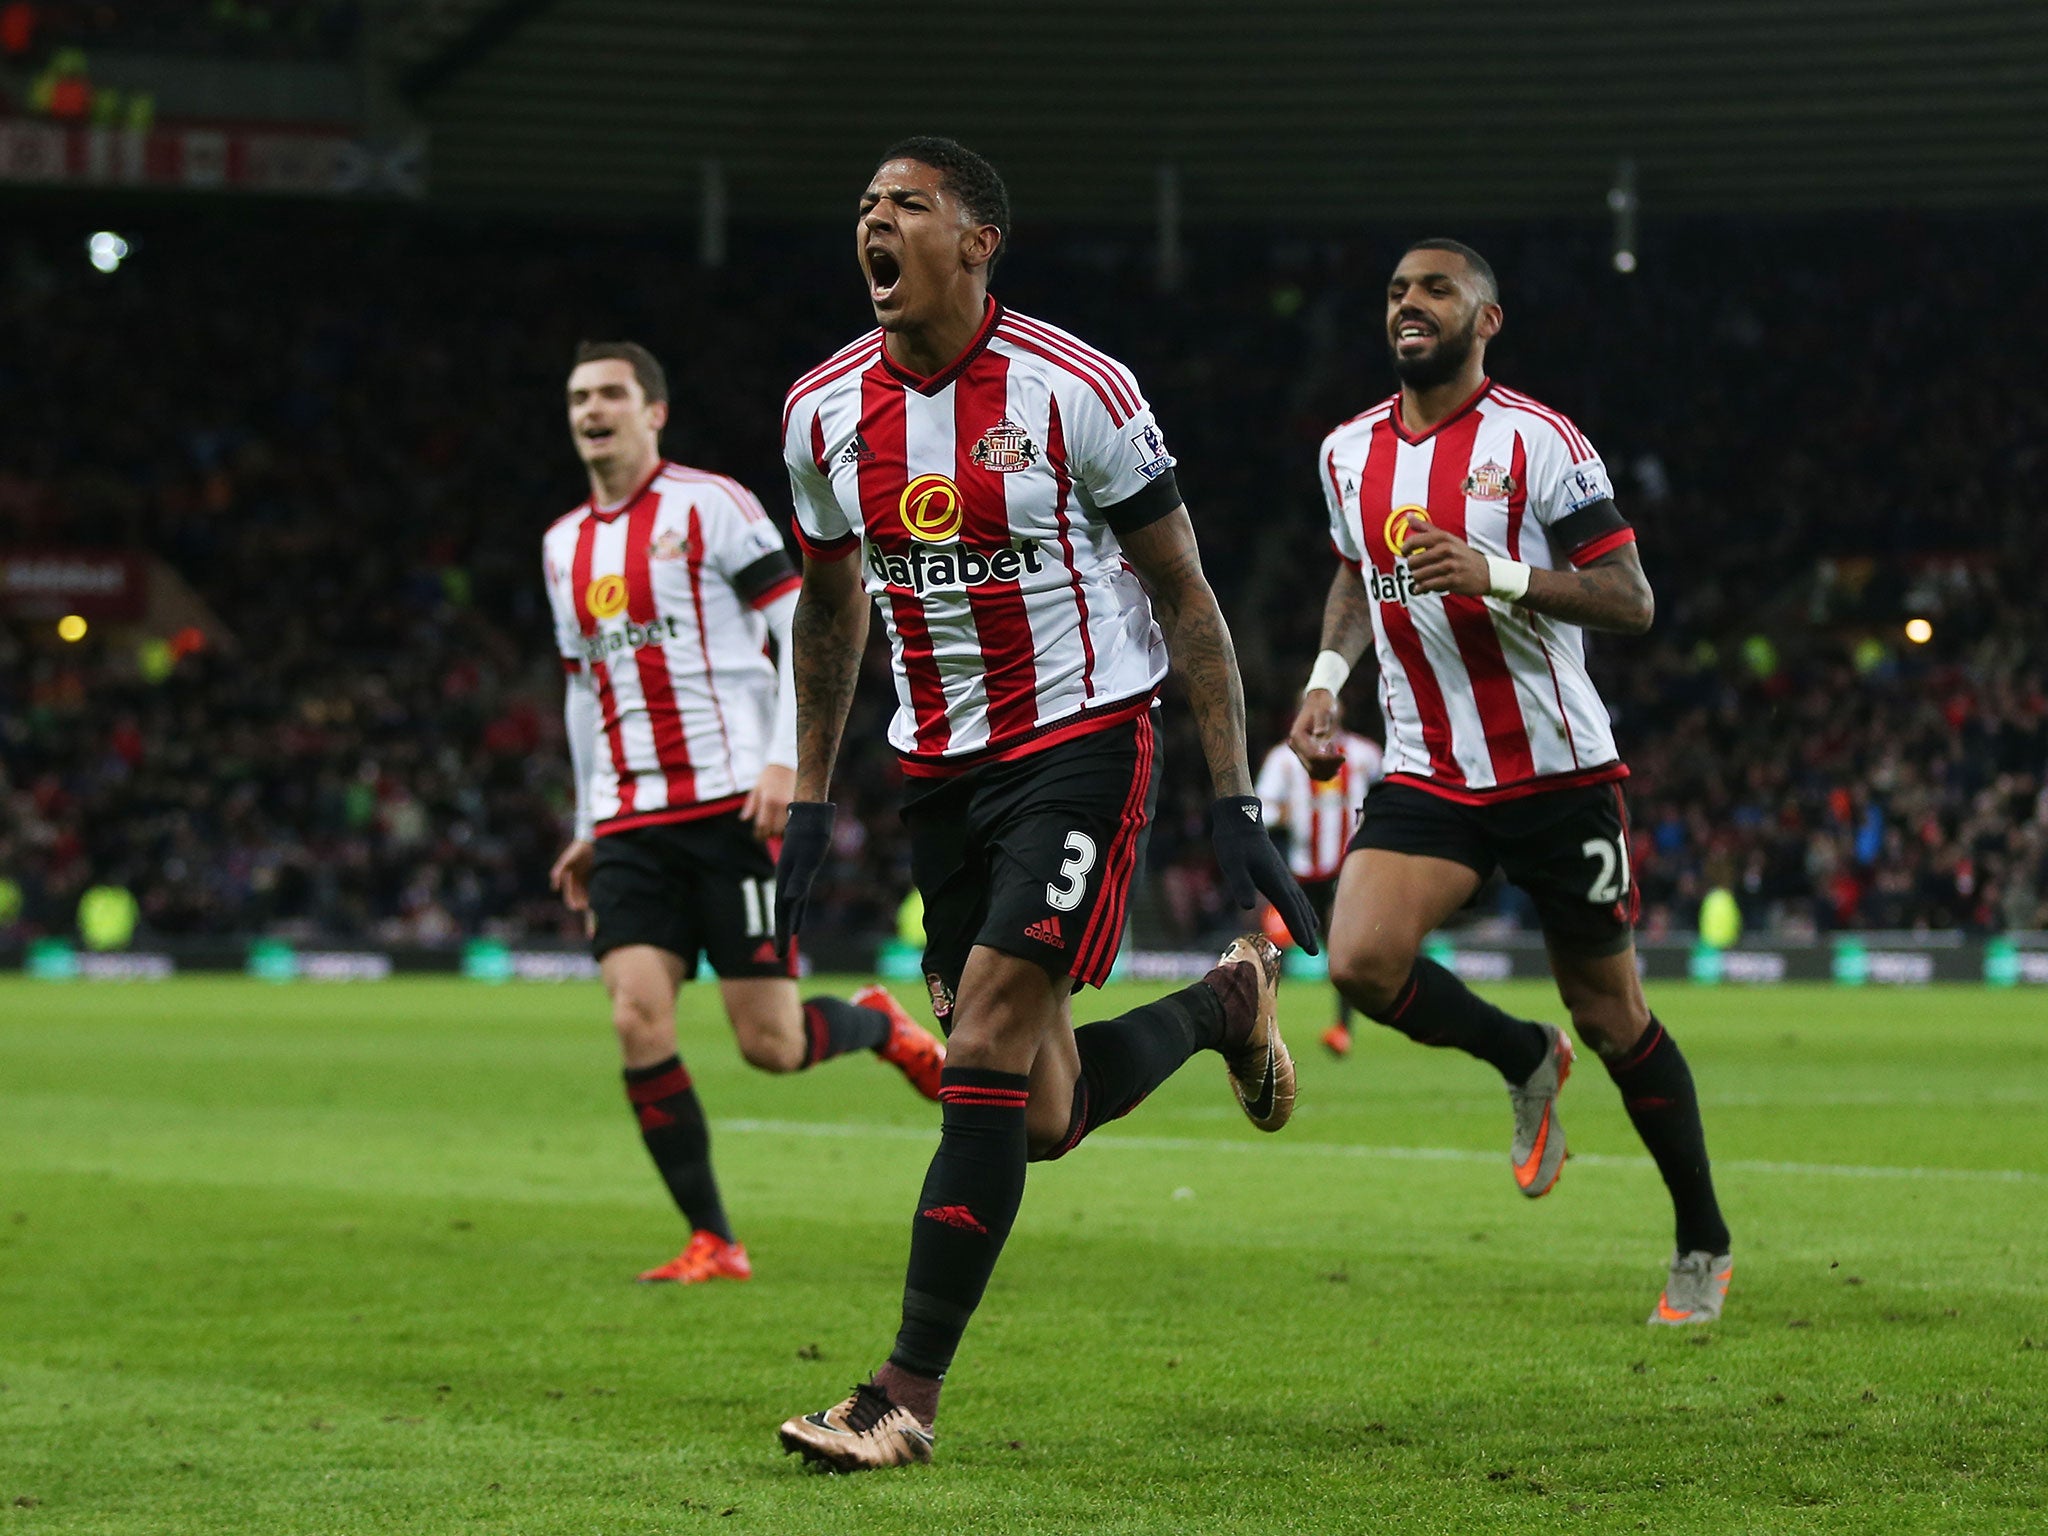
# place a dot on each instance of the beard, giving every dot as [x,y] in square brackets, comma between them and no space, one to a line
[1440,365]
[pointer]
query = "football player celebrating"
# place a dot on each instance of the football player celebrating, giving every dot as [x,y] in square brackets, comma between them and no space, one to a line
[998,488]
[666,585]
[1479,539]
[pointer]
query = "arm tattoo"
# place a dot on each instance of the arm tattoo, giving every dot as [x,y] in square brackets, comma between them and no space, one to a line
[1611,594]
[827,635]
[1347,616]
[1199,646]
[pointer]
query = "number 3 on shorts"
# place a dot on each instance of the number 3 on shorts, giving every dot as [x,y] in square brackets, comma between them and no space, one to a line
[1611,883]
[1080,859]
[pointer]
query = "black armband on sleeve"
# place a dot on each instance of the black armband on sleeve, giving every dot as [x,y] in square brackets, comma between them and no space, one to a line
[755,581]
[1596,523]
[1157,500]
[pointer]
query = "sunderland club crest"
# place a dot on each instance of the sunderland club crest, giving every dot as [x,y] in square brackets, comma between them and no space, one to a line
[1490,482]
[1004,448]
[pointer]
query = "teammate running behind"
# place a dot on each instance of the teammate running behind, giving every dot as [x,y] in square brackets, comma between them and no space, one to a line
[666,586]
[1479,539]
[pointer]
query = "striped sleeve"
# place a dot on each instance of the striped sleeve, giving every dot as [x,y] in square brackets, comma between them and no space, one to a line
[820,525]
[1115,463]
[1572,496]
[747,551]
[1343,538]
[568,634]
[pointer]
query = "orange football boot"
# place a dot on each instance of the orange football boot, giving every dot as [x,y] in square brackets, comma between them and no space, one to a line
[708,1257]
[911,1049]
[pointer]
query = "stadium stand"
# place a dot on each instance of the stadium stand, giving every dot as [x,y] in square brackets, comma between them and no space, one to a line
[271,30]
[353,474]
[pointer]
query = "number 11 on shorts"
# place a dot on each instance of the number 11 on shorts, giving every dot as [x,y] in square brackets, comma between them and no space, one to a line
[759,895]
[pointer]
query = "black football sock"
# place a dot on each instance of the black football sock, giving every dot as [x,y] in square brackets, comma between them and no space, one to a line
[1435,1008]
[1656,1089]
[1123,1059]
[678,1139]
[833,1026]
[970,1198]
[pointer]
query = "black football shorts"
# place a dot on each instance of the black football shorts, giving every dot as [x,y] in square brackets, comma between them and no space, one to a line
[1568,848]
[689,887]
[1034,857]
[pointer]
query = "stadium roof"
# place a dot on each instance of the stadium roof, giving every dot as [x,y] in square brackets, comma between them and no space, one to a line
[1295,109]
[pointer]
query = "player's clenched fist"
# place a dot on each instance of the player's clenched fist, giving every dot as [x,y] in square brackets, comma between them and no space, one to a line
[1443,562]
[1314,737]
[571,874]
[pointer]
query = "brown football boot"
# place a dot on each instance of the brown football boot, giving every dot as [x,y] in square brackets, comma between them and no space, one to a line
[1261,1071]
[863,1434]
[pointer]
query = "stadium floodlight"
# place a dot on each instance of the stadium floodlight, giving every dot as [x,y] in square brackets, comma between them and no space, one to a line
[71,628]
[1621,202]
[1919,631]
[106,250]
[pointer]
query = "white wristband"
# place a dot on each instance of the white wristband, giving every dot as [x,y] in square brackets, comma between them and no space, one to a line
[1329,672]
[1508,579]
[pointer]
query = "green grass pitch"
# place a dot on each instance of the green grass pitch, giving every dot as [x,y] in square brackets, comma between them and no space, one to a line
[290,1259]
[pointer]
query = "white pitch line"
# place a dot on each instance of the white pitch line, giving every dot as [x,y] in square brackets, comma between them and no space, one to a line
[850,1130]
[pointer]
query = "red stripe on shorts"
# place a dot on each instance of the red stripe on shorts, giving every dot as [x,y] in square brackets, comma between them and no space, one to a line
[1104,933]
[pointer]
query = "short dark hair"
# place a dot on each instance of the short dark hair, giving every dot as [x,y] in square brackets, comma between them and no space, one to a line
[646,367]
[1481,267]
[966,175]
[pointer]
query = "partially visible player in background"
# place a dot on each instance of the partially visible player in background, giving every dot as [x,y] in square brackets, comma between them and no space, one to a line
[1318,817]
[666,586]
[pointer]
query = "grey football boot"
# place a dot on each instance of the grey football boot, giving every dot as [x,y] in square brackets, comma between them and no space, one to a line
[1695,1290]
[1537,1156]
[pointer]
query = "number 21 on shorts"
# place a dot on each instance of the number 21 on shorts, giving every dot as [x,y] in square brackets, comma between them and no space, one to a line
[1610,880]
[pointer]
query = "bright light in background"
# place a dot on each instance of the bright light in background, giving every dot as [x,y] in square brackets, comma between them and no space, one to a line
[1624,261]
[106,250]
[1919,631]
[71,627]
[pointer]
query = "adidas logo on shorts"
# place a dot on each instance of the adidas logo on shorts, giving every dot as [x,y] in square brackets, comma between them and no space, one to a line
[1046,931]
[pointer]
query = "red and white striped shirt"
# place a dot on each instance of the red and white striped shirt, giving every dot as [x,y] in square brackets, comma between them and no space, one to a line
[981,501]
[658,601]
[1319,814]
[1483,699]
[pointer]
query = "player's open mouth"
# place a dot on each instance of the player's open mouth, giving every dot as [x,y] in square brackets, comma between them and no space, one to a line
[597,436]
[1413,332]
[883,272]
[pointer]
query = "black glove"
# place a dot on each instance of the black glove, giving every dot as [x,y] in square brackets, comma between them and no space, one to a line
[1252,866]
[806,841]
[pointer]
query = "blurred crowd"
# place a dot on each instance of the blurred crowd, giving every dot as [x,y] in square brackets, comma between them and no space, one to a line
[353,476]
[241,29]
